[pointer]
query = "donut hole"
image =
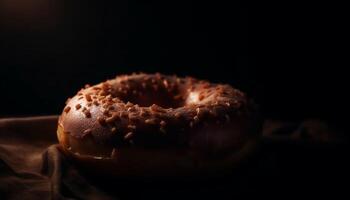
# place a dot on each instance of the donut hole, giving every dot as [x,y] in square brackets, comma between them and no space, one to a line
[161,98]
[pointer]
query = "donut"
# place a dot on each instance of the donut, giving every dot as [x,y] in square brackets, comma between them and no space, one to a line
[158,125]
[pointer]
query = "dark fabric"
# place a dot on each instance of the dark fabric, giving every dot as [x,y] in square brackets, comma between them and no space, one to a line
[31,167]
[293,159]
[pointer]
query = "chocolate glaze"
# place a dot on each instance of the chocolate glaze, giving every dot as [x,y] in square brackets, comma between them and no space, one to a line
[154,110]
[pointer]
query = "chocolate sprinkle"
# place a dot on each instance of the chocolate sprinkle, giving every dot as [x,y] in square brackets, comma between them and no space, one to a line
[128,135]
[102,121]
[67,109]
[87,113]
[78,106]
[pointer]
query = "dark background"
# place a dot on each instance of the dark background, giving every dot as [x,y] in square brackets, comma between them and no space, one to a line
[285,54]
[281,53]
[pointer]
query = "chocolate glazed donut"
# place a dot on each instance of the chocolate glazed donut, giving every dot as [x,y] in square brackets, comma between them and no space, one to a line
[158,125]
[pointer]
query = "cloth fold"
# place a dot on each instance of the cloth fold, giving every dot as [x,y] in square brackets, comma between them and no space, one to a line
[32,167]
